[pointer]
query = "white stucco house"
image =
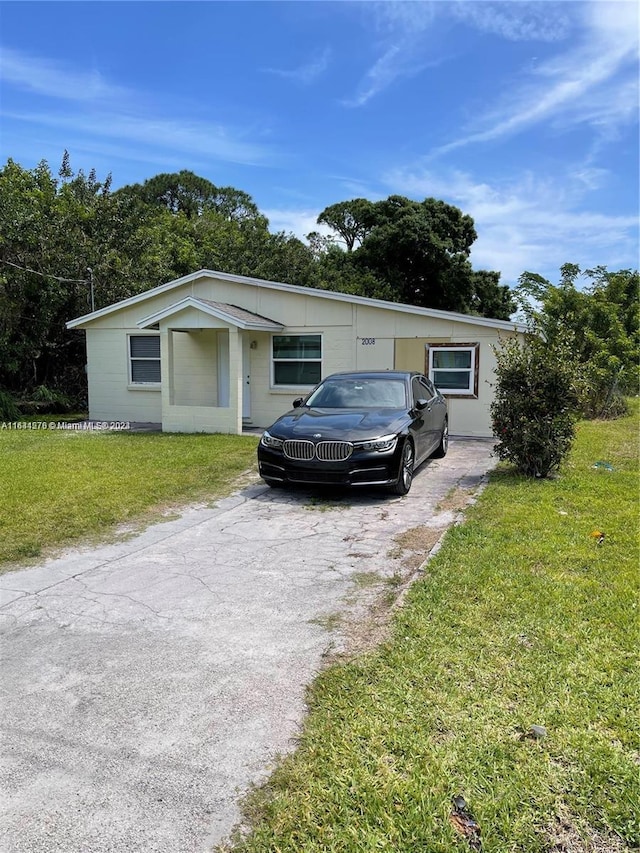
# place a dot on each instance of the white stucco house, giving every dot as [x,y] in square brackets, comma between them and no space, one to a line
[214,352]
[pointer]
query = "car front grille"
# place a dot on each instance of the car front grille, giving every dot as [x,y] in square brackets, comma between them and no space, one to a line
[299,450]
[325,451]
[334,451]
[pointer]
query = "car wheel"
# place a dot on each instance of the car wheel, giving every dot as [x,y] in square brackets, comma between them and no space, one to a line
[441,449]
[405,475]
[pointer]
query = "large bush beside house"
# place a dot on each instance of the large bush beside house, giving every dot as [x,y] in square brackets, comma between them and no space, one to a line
[533,411]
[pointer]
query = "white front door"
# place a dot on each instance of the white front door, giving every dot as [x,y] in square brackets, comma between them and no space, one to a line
[246,379]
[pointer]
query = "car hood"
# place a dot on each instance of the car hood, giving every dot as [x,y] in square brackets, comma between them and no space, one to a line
[339,424]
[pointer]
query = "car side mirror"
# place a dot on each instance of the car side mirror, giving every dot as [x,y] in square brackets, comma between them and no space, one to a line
[421,404]
[298,402]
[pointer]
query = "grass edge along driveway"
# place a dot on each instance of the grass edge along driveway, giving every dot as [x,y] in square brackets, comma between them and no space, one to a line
[526,616]
[61,486]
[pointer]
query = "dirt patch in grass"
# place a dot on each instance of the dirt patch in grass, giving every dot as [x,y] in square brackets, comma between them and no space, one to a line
[564,837]
[368,625]
[456,500]
[415,545]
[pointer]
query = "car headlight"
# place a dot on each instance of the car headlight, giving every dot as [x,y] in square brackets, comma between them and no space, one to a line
[384,442]
[269,440]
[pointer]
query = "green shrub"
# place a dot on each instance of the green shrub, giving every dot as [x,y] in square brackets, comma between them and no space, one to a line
[44,400]
[533,411]
[8,409]
[603,380]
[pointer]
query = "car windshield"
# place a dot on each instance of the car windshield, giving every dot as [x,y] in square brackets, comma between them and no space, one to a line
[366,393]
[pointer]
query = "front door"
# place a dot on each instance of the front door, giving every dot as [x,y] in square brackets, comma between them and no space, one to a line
[246,379]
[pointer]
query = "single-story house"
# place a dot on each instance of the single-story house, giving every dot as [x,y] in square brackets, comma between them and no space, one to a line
[214,352]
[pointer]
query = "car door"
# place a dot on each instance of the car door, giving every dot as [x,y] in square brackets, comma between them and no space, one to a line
[437,410]
[433,414]
[422,426]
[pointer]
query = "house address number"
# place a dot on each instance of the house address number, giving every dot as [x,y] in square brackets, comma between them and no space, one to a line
[368,342]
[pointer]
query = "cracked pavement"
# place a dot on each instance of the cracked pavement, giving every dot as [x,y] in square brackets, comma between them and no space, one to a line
[147,684]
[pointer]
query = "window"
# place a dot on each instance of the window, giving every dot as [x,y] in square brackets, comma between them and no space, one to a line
[144,358]
[454,368]
[297,359]
[422,390]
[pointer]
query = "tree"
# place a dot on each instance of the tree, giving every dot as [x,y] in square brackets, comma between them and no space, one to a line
[47,243]
[600,326]
[489,298]
[421,250]
[352,220]
[187,193]
[534,405]
[414,252]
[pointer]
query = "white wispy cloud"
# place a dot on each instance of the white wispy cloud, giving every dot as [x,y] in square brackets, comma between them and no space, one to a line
[406,46]
[516,21]
[399,60]
[593,81]
[530,223]
[308,72]
[99,109]
[155,133]
[401,29]
[43,77]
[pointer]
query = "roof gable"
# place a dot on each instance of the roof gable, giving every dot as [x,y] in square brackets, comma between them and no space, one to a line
[231,314]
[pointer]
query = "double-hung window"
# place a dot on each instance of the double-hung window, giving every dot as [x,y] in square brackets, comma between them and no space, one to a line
[144,359]
[453,368]
[296,359]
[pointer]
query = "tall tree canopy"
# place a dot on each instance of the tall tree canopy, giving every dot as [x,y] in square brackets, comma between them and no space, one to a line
[418,252]
[188,193]
[352,220]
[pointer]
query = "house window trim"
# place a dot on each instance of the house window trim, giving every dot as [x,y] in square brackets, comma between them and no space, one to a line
[272,361]
[474,348]
[142,386]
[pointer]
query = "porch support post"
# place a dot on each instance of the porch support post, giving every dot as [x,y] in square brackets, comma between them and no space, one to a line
[166,369]
[235,377]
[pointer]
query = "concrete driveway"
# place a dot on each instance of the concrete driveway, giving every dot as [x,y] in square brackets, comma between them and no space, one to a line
[147,684]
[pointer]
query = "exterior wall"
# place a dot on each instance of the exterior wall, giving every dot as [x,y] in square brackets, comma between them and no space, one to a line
[195,361]
[354,336]
[467,415]
[269,402]
[111,397]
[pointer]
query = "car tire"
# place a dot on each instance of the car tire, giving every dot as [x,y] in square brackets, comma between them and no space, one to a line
[441,450]
[405,475]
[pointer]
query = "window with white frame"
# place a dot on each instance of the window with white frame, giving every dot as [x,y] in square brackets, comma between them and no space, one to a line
[296,359]
[144,359]
[453,368]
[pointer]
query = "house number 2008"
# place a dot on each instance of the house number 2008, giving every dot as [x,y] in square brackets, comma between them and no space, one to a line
[368,342]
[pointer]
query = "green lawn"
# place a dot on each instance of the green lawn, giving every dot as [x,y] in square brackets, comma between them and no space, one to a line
[58,486]
[522,619]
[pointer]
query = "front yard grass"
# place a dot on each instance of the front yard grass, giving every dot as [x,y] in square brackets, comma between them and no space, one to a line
[58,486]
[524,618]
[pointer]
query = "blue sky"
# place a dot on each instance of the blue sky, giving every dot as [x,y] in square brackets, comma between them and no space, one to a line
[524,115]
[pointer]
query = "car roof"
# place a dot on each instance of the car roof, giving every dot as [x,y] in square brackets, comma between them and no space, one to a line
[377,374]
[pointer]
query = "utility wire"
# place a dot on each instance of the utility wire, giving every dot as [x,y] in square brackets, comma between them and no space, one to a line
[46,274]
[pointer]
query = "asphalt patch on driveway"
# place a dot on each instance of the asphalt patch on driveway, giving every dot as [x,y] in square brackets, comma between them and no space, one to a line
[147,684]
